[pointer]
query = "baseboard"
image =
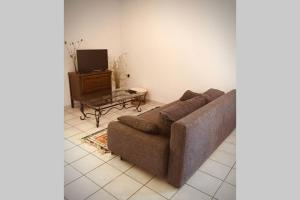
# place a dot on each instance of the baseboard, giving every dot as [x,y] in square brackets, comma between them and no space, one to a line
[154,101]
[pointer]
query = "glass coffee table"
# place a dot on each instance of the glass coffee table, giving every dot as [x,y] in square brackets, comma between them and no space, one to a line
[102,103]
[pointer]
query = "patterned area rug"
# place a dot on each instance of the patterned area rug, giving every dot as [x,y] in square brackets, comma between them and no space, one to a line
[99,138]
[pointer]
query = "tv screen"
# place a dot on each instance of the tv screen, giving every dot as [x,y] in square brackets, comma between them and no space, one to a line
[90,60]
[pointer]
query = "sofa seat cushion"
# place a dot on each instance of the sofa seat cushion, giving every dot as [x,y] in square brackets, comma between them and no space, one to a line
[139,123]
[150,152]
[211,94]
[188,95]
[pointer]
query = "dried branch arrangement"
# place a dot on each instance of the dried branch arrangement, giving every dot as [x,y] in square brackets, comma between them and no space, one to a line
[118,66]
[72,47]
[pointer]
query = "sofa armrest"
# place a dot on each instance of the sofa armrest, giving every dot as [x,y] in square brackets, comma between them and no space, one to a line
[150,152]
[196,136]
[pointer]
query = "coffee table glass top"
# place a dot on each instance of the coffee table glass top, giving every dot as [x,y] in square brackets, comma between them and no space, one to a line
[116,96]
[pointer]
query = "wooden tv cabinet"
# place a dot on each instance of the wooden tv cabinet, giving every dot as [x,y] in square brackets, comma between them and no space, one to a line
[88,83]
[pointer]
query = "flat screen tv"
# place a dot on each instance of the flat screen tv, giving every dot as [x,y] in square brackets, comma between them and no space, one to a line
[92,60]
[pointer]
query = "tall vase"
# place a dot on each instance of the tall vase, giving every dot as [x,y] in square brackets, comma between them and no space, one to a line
[116,75]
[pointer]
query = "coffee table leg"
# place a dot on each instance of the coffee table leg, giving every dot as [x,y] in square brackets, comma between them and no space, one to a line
[82,111]
[138,106]
[97,117]
[123,104]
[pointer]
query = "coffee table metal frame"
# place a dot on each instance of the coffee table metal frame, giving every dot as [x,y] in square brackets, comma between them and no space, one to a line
[121,104]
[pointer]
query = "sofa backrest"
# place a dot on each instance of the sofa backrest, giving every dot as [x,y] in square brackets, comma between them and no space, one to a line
[197,135]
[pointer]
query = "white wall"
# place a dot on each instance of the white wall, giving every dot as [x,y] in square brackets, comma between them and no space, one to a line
[97,22]
[174,45]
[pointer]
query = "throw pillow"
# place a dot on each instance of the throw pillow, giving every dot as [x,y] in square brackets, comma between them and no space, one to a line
[188,95]
[182,108]
[139,124]
[211,94]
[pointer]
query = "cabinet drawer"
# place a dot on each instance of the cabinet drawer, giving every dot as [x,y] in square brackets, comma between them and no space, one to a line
[94,83]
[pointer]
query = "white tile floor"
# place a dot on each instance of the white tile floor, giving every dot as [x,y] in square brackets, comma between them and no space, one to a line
[90,175]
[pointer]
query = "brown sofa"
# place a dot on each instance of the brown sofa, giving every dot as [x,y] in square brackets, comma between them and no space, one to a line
[192,140]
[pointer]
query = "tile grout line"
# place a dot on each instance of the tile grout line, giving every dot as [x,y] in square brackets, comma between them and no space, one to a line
[226,151]
[176,192]
[129,176]
[199,190]
[212,196]
[112,179]
[102,187]
[84,175]
[82,156]
[212,175]
[220,162]
[78,145]
[143,185]
[92,168]
[155,191]
[91,153]
[223,182]
[76,178]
